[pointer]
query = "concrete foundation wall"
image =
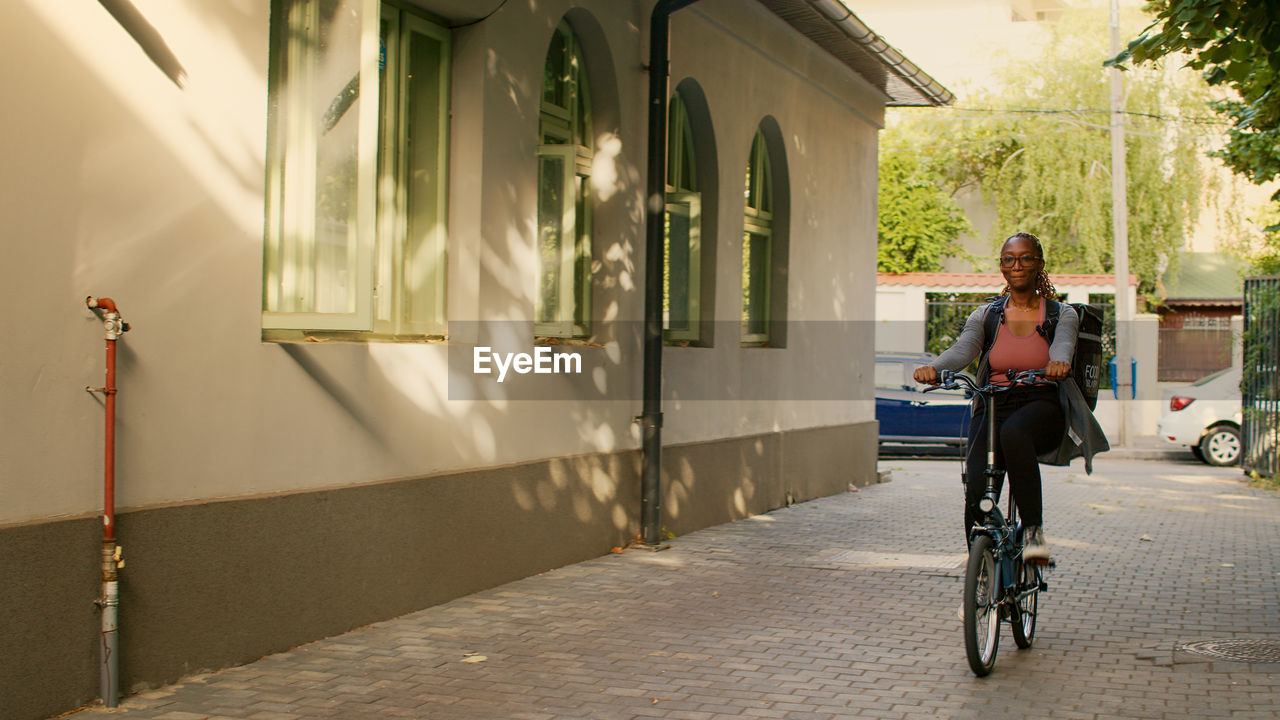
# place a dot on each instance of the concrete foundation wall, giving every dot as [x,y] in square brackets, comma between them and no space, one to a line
[213,585]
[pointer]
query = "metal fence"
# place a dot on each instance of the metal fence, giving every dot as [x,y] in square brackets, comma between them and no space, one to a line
[1260,386]
[945,314]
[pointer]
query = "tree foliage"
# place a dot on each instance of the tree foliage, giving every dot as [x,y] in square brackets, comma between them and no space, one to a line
[1235,44]
[1265,257]
[1038,147]
[919,222]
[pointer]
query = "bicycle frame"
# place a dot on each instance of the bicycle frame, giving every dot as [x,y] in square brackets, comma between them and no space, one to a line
[995,558]
[1003,533]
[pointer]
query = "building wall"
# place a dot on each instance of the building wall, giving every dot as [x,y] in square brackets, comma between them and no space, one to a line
[153,195]
[1174,315]
[272,493]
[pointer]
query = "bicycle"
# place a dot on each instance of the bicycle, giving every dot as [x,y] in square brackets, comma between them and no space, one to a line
[998,585]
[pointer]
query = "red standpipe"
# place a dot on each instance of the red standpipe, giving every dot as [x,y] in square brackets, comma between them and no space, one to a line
[114,326]
[109,445]
[112,556]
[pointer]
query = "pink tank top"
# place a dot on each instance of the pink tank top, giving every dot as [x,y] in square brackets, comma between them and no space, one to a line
[1019,352]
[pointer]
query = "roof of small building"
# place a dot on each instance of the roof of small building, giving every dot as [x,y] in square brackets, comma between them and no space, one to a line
[1205,277]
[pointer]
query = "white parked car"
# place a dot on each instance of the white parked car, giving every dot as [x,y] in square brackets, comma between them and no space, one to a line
[1205,416]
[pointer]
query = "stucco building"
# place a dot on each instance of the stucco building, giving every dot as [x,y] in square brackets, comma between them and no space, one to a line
[314,212]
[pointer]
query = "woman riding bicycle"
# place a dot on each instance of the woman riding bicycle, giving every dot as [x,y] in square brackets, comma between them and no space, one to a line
[1030,418]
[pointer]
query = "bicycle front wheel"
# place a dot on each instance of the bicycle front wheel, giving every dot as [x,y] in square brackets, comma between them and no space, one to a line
[1028,605]
[981,607]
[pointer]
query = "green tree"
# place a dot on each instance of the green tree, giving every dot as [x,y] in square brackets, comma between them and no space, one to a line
[919,222]
[1235,44]
[1265,258]
[1038,146]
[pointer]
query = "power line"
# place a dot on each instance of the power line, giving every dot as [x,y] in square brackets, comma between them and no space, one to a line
[1090,111]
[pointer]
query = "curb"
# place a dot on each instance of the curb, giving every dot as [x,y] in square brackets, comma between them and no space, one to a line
[1128,453]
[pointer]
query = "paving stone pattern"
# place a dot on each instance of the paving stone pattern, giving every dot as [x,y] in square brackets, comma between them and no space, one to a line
[841,607]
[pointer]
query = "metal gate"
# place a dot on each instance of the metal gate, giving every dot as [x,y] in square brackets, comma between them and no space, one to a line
[1260,385]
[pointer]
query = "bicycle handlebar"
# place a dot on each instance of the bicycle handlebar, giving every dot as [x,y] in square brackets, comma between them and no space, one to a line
[953,380]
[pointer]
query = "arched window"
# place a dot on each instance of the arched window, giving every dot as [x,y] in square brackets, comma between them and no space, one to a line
[682,246]
[563,305]
[757,244]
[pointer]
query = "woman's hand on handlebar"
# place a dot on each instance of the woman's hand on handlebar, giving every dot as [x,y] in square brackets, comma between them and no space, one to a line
[1057,370]
[926,375]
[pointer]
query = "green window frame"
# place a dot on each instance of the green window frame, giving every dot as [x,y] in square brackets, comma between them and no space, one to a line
[757,244]
[357,181]
[682,240]
[412,176]
[565,154]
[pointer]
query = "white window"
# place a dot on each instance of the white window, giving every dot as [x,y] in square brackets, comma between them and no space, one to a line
[356,187]
[563,304]
[1206,322]
[682,242]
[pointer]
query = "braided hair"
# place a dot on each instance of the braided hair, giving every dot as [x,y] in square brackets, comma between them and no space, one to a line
[1044,287]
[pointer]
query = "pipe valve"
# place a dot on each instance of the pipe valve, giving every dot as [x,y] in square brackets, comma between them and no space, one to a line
[112,322]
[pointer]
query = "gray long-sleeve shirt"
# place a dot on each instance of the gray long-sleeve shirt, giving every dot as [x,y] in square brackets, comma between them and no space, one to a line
[1084,437]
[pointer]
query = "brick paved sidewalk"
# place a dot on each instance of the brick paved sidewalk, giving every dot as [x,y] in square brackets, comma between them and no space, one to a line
[842,607]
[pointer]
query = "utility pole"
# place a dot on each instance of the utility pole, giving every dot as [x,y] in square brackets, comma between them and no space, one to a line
[1120,231]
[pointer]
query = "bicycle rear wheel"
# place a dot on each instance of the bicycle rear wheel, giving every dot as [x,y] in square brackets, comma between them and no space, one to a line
[981,607]
[1028,605]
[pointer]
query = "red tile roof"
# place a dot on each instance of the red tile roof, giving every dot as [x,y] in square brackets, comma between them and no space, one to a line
[990,279]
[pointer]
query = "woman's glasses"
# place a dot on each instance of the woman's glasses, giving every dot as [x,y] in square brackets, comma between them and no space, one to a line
[1008,261]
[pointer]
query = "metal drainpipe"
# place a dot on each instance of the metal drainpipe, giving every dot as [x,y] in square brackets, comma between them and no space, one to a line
[112,554]
[655,207]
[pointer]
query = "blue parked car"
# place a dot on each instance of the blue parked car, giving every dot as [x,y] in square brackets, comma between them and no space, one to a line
[912,421]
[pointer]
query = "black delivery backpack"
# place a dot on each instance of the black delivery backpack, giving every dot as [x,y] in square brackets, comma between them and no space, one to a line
[1086,363]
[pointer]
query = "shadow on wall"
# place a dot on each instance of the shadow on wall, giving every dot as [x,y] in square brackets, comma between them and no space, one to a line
[333,387]
[147,37]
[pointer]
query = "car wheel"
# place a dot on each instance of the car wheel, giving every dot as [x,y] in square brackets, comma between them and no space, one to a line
[1221,445]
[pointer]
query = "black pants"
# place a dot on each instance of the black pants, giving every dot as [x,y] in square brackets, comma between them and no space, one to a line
[1029,422]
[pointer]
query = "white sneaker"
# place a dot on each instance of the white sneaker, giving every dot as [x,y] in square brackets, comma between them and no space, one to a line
[1034,547]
